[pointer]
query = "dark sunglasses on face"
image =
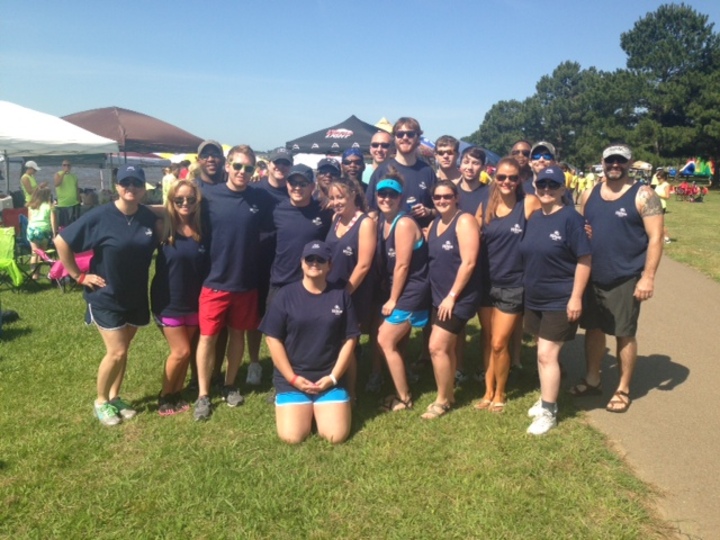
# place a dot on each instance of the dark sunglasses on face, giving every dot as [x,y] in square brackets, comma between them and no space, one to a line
[548,184]
[615,159]
[403,134]
[380,145]
[208,155]
[444,197]
[356,162]
[445,153]
[249,169]
[184,201]
[503,177]
[134,182]
[547,156]
[298,183]
[525,153]
[282,163]
[314,259]
[387,194]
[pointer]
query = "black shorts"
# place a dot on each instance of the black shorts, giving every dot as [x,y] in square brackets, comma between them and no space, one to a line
[549,325]
[67,214]
[454,324]
[115,320]
[613,309]
[507,299]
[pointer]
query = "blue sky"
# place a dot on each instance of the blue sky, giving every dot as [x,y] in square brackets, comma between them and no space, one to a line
[266,72]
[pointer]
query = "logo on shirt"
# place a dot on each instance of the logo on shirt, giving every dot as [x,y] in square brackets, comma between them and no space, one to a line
[337,310]
[201,249]
[516,229]
[254,209]
[391,253]
[621,213]
[555,236]
[348,251]
[317,221]
[422,185]
[148,231]
[447,246]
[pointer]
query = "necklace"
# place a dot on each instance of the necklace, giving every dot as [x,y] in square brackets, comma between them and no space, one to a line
[128,219]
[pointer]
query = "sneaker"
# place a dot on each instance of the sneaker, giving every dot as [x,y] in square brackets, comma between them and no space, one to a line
[536,409]
[270,398]
[181,405]
[254,374]
[107,414]
[542,423]
[668,241]
[125,410]
[232,396]
[479,375]
[166,407]
[203,409]
[375,382]
[460,378]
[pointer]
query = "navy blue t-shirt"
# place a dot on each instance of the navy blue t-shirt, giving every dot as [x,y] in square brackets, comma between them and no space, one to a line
[418,182]
[122,251]
[500,257]
[470,201]
[313,328]
[232,220]
[268,239]
[444,262]
[180,270]
[551,247]
[295,227]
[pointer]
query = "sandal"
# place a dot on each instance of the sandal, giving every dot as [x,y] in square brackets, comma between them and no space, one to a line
[483,404]
[619,403]
[393,403]
[435,410]
[583,388]
[497,407]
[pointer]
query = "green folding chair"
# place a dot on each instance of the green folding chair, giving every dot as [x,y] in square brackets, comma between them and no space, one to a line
[11,277]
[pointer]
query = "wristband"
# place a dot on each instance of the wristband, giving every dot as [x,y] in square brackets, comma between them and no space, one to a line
[333,378]
[81,278]
[292,381]
[452,294]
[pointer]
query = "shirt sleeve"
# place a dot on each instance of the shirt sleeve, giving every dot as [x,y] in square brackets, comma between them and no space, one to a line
[274,323]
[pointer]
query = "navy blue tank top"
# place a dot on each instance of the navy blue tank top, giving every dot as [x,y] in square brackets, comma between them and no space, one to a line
[470,201]
[619,241]
[444,262]
[414,296]
[500,257]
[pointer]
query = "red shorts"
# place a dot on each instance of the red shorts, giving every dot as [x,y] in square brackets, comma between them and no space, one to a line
[218,309]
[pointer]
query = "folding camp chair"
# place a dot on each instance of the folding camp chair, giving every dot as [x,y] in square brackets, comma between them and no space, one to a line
[46,260]
[11,276]
[60,275]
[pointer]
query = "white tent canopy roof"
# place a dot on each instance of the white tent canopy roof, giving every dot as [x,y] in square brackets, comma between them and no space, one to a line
[25,132]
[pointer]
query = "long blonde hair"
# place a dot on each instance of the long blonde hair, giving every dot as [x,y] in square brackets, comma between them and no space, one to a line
[39,196]
[494,195]
[172,219]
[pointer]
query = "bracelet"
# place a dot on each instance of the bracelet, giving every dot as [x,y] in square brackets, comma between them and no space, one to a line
[333,378]
[292,381]
[81,278]
[452,294]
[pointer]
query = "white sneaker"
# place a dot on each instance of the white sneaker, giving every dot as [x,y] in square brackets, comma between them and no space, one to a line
[542,423]
[254,374]
[536,409]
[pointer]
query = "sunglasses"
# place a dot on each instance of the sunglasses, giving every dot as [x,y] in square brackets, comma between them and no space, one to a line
[65,164]
[548,184]
[525,153]
[248,169]
[546,156]
[403,134]
[282,163]
[328,170]
[445,153]
[445,197]
[298,184]
[387,194]
[615,159]
[503,177]
[315,259]
[380,145]
[356,162]
[134,182]
[208,155]
[184,201]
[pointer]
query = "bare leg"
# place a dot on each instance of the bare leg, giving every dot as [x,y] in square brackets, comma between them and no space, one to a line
[333,421]
[205,362]
[549,369]
[254,340]
[594,352]
[180,341]
[486,316]
[112,366]
[627,358]
[503,326]
[389,337]
[294,422]
[235,351]
[516,344]
[442,352]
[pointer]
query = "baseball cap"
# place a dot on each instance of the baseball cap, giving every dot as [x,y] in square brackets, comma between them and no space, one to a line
[328,162]
[552,173]
[617,150]
[210,142]
[543,144]
[281,153]
[317,248]
[32,165]
[130,171]
[302,170]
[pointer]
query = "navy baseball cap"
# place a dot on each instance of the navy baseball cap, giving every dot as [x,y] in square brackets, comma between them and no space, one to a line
[554,174]
[302,170]
[131,171]
[317,248]
[281,153]
[329,162]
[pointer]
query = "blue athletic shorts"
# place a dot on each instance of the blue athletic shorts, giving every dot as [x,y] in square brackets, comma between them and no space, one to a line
[115,320]
[417,319]
[332,395]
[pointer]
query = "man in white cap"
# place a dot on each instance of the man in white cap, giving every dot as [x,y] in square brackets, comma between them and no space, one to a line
[627,244]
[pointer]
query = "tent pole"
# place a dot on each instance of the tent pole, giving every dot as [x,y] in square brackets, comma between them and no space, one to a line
[7,173]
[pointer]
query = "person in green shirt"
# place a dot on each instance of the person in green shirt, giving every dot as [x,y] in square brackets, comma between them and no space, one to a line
[28,182]
[68,200]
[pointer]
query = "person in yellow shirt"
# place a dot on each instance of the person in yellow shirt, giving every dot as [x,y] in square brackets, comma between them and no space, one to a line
[68,198]
[28,182]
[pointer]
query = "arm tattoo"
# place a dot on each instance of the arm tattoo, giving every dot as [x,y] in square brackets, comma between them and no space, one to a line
[650,204]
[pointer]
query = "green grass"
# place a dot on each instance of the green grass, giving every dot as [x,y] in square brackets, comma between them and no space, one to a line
[470,474]
[694,229]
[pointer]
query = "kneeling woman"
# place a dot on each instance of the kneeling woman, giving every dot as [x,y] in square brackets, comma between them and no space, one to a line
[556,255]
[311,332]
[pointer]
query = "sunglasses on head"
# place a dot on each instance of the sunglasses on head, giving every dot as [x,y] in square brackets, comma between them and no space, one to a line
[611,160]
[503,177]
[403,134]
[525,153]
[380,145]
[134,182]
[298,183]
[249,169]
[357,162]
[548,184]
[547,156]
[387,194]
[184,201]
[443,197]
[315,259]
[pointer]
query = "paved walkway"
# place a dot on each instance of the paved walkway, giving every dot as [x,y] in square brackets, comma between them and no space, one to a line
[671,434]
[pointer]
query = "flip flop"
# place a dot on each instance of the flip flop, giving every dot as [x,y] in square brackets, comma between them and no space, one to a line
[483,404]
[435,410]
[619,403]
[583,388]
[497,407]
[393,404]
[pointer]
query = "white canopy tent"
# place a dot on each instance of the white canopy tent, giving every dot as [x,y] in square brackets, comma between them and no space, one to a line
[25,132]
